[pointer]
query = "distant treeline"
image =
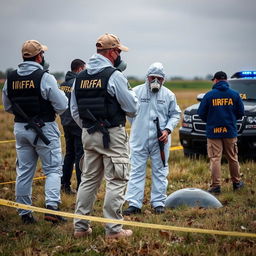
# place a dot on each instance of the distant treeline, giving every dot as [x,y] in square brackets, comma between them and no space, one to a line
[60,76]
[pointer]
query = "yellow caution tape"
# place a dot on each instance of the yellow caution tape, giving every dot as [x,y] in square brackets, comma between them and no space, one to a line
[13,181]
[124,222]
[176,148]
[11,141]
[6,141]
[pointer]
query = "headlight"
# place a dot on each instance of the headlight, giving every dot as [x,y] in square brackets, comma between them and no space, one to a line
[251,119]
[187,118]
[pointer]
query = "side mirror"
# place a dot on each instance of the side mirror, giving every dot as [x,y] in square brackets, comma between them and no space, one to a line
[200,96]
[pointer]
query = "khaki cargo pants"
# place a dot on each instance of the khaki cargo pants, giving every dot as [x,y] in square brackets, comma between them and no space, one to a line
[113,164]
[215,148]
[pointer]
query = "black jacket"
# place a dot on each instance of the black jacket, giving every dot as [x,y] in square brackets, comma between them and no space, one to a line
[66,118]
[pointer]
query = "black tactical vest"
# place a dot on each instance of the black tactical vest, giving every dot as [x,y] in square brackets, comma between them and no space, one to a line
[25,91]
[91,93]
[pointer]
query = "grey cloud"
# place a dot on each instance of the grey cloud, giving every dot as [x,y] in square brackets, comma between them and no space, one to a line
[191,38]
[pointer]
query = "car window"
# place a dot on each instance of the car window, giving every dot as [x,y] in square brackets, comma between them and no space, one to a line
[246,88]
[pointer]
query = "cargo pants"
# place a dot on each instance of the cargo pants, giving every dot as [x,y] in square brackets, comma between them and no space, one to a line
[112,164]
[215,149]
[27,157]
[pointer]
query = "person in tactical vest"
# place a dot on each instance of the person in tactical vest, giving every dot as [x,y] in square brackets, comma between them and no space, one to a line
[33,97]
[220,108]
[72,132]
[100,101]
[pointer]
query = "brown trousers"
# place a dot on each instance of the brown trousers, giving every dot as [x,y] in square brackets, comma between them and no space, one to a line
[215,149]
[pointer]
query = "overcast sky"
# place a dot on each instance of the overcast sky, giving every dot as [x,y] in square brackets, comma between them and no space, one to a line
[190,37]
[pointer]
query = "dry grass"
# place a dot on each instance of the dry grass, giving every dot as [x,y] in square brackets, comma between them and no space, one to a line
[238,213]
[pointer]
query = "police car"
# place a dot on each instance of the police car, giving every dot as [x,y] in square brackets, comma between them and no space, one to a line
[192,133]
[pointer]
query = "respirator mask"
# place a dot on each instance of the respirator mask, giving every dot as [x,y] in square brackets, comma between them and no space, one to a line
[155,83]
[120,64]
[42,62]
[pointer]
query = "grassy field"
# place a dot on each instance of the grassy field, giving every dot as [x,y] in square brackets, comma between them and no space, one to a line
[44,239]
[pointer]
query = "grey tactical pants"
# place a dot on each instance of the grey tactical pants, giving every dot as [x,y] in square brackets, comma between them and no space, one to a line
[27,157]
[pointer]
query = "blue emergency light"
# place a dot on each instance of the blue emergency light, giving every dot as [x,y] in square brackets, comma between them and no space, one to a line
[245,74]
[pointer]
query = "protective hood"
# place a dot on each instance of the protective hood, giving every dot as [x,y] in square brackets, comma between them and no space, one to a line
[221,86]
[156,69]
[97,63]
[27,67]
[70,75]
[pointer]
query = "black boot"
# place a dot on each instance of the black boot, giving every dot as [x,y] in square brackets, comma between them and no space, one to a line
[28,218]
[55,219]
[238,185]
[159,210]
[67,190]
[215,190]
[131,210]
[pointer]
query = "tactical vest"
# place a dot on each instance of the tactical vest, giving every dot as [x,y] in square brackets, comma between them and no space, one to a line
[66,118]
[66,87]
[25,91]
[91,93]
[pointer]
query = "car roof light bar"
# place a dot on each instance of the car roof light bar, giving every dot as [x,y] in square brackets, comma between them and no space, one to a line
[245,74]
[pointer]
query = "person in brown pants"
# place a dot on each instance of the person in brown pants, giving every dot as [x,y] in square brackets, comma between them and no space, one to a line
[220,109]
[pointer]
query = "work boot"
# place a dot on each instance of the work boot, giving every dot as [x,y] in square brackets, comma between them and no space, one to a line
[122,234]
[238,185]
[159,210]
[131,210]
[215,190]
[67,190]
[28,218]
[82,233]
[55,219]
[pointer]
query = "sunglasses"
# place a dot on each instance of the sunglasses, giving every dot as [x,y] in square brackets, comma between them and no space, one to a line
[116,50]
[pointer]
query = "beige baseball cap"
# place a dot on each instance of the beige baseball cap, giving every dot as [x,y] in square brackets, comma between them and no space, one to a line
[31,48]
[110,41]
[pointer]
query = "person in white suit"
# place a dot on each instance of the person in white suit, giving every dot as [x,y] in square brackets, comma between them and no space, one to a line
[156,102]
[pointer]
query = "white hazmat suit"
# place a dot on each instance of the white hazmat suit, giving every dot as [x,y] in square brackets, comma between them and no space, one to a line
[144,140]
